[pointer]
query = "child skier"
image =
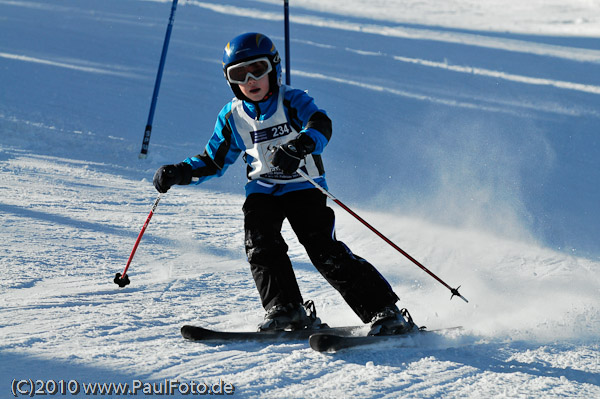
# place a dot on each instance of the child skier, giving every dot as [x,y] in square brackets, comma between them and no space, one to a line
[279,129]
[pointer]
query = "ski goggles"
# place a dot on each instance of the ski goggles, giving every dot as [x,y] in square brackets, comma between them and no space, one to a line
[255,69]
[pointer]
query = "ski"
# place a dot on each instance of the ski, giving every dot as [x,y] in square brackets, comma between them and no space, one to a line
[196,333]
[330,342]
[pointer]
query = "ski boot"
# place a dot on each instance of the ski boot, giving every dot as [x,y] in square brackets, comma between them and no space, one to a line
[292,316]
[391,320]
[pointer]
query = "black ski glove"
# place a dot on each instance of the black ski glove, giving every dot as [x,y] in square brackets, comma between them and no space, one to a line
[169,175]
[289,155]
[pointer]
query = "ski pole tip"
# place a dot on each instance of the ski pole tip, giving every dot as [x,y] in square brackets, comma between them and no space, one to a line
[121,281]
[455,292]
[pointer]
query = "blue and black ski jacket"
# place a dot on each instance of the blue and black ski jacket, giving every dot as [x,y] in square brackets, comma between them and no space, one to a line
[254,130]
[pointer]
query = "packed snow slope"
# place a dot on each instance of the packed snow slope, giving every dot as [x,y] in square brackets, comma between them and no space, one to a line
[468,134]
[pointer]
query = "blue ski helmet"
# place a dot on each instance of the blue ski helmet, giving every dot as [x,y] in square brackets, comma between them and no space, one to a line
[249,46]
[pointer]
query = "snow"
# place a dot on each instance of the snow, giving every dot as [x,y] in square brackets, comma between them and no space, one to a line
[552,17]
[464,131]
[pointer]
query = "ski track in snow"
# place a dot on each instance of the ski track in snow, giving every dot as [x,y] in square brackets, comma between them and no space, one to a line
[71,65]
[72,201]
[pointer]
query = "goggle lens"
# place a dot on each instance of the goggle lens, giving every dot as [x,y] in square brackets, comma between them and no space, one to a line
[255,69]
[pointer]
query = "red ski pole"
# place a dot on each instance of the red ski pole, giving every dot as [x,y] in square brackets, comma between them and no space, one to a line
[121,279]
[454,291]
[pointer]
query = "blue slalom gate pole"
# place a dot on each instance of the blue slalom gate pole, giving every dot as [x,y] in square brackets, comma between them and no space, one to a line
[161,65]
[286,18]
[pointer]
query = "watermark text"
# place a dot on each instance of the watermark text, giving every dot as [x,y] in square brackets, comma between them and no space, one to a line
[167,387]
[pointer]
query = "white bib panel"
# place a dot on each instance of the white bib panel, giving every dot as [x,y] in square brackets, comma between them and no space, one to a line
[262,137]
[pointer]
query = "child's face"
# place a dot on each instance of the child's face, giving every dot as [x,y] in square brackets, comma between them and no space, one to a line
[256,90]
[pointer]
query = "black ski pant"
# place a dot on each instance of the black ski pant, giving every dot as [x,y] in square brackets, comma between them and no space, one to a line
[364,289]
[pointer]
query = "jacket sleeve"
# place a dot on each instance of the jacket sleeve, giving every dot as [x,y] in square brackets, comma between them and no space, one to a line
[222,150]
[307,118]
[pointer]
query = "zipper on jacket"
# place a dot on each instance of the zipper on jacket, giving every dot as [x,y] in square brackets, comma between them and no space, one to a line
[258,111]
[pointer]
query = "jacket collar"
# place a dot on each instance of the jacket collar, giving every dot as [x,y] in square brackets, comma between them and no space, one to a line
[264,109]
